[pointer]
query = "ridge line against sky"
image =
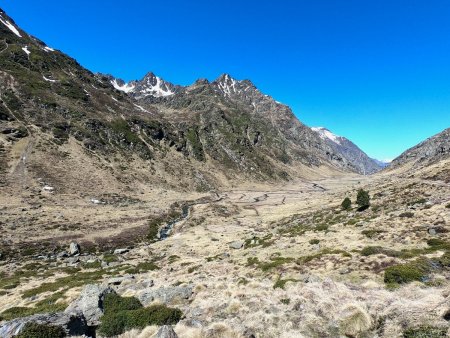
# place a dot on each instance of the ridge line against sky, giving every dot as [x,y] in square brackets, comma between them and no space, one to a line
[375,72]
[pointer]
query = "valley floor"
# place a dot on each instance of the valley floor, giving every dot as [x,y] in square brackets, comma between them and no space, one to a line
[266,261]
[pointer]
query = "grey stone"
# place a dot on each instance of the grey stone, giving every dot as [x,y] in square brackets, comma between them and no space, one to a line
[165,295]
[236,244]
[432,231]
[62,254]
[120,280]
[90,303]
[120,251]
[74,324]
[166,331]
[74,248]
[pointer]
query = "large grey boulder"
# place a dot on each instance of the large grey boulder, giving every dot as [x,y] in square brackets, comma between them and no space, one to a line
[74,324]
[165,295]
[90,303]
[166,331]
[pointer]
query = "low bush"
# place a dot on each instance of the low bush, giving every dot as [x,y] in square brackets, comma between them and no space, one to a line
[35,330]
[406,273]
[406,214]
[116,323]
[425,332]
[115,303]
[314,241]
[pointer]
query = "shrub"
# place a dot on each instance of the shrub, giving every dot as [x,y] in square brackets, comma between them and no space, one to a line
[280,283]
[346,204]
[448,206]
[371,233]
[407,214]
[116,323]
[115,303]
[363,199]
[425,332]
[35,330]
[406,273]
[314,241]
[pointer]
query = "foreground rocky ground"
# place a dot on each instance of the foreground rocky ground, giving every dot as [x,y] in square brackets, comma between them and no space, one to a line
[259,261]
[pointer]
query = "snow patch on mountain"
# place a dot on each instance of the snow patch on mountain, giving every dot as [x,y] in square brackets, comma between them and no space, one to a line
[127,88]
[10,26]
[324,134]
[157,89]
[25,49]
[48,49]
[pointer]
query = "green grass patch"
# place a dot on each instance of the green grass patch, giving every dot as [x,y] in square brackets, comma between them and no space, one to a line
[326,251]
[371,233]
[47,305]
[142,267]
[281,283]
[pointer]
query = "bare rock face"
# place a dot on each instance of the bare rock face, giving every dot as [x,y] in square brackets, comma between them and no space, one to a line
[90,303]
[74,324]
[166,331]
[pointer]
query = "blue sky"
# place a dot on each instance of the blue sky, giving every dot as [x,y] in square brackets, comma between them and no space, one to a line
[377,72]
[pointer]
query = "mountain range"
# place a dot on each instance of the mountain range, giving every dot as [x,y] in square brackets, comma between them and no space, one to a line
[210,134]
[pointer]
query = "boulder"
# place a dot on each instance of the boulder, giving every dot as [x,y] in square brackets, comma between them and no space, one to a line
[74,248]
[120,251]
[166,331]
[236,244]
[120,280]
[74,324]
[90,303]
[165,295]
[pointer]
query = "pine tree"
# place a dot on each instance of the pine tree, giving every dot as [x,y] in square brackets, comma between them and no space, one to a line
[346,204]
[363,199]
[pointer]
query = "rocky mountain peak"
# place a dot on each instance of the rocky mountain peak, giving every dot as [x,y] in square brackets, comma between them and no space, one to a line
[350,151]
[149,85]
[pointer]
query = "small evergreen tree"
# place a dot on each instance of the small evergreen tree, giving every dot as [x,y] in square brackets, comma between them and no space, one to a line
[346,204]
[363,199]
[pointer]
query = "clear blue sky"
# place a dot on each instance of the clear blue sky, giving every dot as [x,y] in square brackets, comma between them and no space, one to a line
[375,71]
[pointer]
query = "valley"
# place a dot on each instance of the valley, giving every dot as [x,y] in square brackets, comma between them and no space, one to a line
[150,209]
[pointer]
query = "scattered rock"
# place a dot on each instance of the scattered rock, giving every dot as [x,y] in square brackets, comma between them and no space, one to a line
[165,295]
[74,249]
[120,280]
[432,231]
[90,303]
[166,331]
[120,251]
[236,244]
[62,254]
[73,323]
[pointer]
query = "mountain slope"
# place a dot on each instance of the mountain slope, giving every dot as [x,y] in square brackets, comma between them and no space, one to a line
[350,151]
[102,134]
[426,152]
[429,159]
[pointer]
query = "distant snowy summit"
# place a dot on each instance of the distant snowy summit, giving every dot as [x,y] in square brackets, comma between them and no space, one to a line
[350,151]
[325,134]
[149,85]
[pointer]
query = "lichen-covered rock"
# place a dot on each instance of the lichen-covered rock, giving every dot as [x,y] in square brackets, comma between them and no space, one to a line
[74,324]
[165,295]
[166,331]
[90,303]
